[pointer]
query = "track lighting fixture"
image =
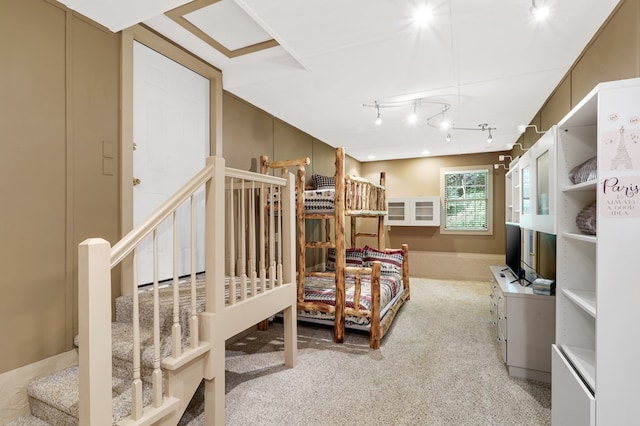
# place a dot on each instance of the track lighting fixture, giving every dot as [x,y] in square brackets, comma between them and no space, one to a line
[414,103]
[378,118]
[523,128]
[538,12]
[447,125]
[440,117]
[414,116]
[484,127]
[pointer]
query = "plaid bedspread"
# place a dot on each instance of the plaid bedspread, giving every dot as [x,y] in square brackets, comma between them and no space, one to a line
[320,289]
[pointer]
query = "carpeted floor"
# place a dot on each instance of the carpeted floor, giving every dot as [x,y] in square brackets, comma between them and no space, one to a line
[438,365]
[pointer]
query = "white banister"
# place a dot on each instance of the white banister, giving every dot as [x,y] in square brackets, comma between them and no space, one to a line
[129,242]
[230,195]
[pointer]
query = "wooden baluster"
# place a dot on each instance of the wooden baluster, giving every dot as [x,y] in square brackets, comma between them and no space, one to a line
[278,234]
[272,259]
[136,384]
[156,378]
[243,243]
[176,329]
[232,247]
[252,237]
[193,320]
[263,230]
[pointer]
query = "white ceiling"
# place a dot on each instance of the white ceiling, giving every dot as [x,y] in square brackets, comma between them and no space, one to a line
[488,59]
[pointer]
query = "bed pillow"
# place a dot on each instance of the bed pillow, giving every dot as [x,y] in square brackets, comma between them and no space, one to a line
[391,260]
[354,258]
[586,219]
[584,172]
[323,182]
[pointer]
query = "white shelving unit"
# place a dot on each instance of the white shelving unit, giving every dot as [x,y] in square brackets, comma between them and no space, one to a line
[537,173]
[413,211]
[512,193]
[595,360]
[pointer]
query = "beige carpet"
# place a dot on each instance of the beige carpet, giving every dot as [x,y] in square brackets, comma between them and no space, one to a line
[438,365]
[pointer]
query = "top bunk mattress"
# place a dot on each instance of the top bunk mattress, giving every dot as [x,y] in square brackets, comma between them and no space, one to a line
[319,200]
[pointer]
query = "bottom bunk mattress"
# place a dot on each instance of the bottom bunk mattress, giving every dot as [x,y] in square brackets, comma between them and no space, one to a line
[323,290]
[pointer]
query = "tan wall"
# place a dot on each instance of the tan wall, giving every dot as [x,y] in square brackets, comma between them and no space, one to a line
[421,177]
[59,85]
[613,54]
[60,82]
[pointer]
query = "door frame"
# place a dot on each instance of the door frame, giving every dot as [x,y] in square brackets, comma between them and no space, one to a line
[186,59]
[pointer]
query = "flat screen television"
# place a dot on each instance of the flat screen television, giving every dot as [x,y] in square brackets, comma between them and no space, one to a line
[512,248]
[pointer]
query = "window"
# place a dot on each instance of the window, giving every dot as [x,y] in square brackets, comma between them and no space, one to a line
[466,194]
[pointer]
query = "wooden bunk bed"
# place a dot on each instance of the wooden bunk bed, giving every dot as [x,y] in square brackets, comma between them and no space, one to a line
[377,278]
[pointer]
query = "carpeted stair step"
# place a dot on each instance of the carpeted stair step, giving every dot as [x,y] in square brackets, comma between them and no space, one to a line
[124,306]
[28,421]
[54,398]
[122,347]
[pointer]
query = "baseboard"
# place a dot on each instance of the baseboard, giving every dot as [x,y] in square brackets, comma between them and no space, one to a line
[14,401]
[525,373]
[452,266]
[441,265]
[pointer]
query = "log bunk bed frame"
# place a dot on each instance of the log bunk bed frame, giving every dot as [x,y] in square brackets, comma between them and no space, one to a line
[357,198]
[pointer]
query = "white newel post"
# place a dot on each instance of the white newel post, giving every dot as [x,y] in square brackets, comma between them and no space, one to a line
[94,324]
[289,270]
[212,330]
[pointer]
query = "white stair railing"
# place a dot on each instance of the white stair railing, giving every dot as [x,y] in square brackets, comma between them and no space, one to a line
[235,217]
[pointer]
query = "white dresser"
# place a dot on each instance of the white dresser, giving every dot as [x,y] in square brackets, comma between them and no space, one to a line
[525,326]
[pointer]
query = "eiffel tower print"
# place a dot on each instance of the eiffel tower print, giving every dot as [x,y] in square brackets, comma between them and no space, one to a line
[622,156]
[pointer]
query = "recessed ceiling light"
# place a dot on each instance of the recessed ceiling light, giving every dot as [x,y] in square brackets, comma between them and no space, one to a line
[425,152]
[422,15]
[371,157]
[540,13]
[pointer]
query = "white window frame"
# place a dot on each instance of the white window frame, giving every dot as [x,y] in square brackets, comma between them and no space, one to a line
[490,199]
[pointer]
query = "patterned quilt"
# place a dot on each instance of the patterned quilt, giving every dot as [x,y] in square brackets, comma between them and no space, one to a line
[319,200]
[320,289]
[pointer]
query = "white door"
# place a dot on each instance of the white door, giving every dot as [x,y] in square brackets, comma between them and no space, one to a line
[171,137]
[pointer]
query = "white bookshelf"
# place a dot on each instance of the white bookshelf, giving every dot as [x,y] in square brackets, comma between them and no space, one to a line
[595,360]
[512,193]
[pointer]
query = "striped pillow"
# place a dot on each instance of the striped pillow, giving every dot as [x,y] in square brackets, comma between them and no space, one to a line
[354,258]
[391,260]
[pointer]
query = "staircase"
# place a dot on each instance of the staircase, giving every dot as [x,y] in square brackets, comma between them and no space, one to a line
[54,398]
[167,343]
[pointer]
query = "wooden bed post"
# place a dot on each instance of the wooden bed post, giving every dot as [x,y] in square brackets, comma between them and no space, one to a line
[341,262]
[375,334]
[405,270]
[381,205]
[301,237]
[353,232]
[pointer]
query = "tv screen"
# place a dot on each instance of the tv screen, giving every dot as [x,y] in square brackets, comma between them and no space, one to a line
[512,249]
